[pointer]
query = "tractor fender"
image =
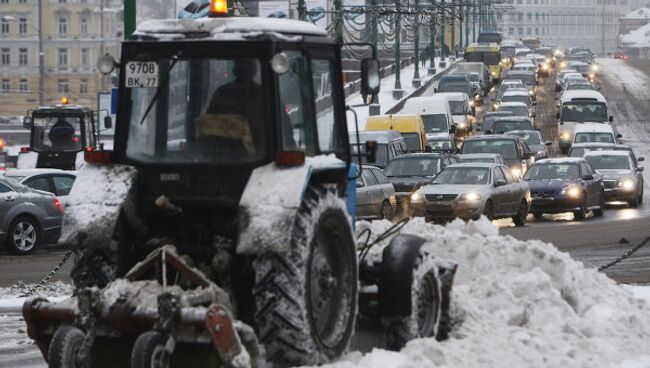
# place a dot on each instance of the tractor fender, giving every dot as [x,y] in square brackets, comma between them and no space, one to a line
[270,202]
[399,259]
[94,204]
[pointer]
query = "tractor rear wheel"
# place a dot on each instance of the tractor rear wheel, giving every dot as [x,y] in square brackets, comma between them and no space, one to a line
[306,299]
[149,350]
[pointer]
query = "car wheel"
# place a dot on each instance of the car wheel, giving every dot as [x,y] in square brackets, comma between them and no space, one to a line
[488,211]
[601,208]
[641,195]
[522,212]
[581,213]
[23,236]
[386,211]
[633,203]
[538,215]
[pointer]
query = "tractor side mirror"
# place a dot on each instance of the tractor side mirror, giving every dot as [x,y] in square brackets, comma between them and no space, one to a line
[370,76]
[371,151]
[28,122]
[108,122]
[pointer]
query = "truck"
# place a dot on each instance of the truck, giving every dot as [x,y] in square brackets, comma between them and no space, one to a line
[219,230]
[59,136]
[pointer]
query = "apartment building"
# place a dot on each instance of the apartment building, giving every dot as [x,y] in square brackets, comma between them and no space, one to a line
[72,35]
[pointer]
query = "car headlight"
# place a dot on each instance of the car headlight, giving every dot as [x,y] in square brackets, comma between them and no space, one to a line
[541,153]
[505,61]
[563,65]
[531,92]
[545,67]
[573,192]
[417,197]
[565,136]
[494,74]
[471,103]
[462,125]
[493,89]
[471,196]
[495,106]
[592,76]
[627,184]
[594,68]
[516,172]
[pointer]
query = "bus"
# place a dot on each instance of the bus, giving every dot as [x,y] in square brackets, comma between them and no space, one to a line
[490,55]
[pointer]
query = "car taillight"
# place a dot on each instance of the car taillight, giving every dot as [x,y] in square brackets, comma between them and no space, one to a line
[58,205]
[24,149]
[290,158]
[98,157]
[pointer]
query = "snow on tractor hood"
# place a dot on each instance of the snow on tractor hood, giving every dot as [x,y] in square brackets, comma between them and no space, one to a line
[270,201]
[520,304]
[94,203]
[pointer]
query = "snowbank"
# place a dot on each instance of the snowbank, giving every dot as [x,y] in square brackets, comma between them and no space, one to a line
[11,299]
[522,304]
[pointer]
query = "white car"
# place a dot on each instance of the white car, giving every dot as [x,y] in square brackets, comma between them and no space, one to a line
[517,108]
[55,181]
[594,132]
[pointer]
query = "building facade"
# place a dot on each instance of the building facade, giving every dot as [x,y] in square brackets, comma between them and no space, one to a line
[564,23]
[72,35]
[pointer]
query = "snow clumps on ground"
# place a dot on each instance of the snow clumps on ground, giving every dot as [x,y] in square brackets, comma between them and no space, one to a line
[521,304]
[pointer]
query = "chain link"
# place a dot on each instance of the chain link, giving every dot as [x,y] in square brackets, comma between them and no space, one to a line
[49,276]
[624,256]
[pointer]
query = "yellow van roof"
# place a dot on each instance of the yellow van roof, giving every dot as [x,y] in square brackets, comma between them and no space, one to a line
[395,122]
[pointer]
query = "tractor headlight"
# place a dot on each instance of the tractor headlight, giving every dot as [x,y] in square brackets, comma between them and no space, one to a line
[628,184]
[471,197]
[572,192]
[417,197]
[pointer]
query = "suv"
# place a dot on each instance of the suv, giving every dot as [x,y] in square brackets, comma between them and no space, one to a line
[514,150]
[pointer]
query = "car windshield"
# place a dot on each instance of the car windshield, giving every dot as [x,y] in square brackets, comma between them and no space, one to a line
[531,138]
[57,133]
[465,88]
[412,166]
[210,111]
[412,141]
[440,144]
[435,123]
[464,176]
[553,171]
[584,111]
[516,110]
[503,126]
[381,157]
[525,78]
[477,160]
[504,147]
[594,137]
[609,162]
[457,107]
[524,99]
[583,86]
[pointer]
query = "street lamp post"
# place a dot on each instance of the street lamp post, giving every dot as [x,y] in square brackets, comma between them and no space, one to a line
[467,11]
[398,93]
[432,52]
[416,47]
[452,26]
[443,59]
[460,25]
[474,11]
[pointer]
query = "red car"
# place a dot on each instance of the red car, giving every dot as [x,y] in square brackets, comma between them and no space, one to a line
[621,55]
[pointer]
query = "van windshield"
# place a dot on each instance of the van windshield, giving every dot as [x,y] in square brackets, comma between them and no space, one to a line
[594,137]
[584,111]
[457,107]
[435,123]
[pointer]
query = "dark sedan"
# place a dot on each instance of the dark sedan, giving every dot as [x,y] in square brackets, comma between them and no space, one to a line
[514,150]
[565,185]
[28,217]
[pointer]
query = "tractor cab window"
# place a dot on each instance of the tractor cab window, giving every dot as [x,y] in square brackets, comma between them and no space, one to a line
[198,110]
[326,113]
[57,133]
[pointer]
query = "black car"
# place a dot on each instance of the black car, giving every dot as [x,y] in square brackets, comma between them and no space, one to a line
[514,150]
[565,185]
[411,171]
[506,124]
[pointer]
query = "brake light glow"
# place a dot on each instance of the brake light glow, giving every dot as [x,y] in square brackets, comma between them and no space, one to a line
[98,157]
[24,149]
[290,158]
[58,204]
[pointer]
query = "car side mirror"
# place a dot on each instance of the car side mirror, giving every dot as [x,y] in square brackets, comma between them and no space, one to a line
[548,143]
[28,122]
[588,177]
[108,122]
[500,183]
[611,119]
[359,184]
[452,129]
[371,151]
[370,76]
[618,136]
[527,155]
[640,159]
[639,169]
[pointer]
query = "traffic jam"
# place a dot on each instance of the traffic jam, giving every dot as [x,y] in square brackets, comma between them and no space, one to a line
[474,147]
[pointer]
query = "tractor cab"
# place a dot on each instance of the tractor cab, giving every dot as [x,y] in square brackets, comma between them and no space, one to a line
[59,136]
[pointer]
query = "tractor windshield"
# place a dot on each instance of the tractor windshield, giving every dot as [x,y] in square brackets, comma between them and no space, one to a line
[57,133]
[196,110]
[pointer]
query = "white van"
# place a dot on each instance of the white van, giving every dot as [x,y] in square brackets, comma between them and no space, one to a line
[578,107]
[435,113]
[595,133]
[461,111]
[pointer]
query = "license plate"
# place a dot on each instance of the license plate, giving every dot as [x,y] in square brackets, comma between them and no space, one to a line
[141,74]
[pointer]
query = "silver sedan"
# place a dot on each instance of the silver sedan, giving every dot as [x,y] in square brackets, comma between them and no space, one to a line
[470,190]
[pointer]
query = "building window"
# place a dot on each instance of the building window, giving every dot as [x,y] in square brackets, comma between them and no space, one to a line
[23,85]
[5,56]
[22,25]
[63,25]
[6,85]
[85,56]
[62,1]
[64,86]
[4,26]
[63,57]
[23,58]
[83,24]
[22,1]
[4,1]
[83,86]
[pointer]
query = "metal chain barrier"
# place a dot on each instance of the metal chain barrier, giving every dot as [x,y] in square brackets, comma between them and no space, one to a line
[49,276]
[625,255]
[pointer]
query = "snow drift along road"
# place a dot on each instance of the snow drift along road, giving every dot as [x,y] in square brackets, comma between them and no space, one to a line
[522,304]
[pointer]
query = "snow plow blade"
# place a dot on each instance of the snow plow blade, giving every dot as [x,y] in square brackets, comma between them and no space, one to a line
[109,324]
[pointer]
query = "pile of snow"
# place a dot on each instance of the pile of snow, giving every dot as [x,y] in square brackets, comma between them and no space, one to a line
[638,38]
[12,299]
[521,304]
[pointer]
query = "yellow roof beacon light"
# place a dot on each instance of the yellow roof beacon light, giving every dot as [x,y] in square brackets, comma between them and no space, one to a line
[218,8]
[65,100]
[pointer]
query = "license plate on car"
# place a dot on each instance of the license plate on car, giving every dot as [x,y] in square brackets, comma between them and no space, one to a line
[141,74]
